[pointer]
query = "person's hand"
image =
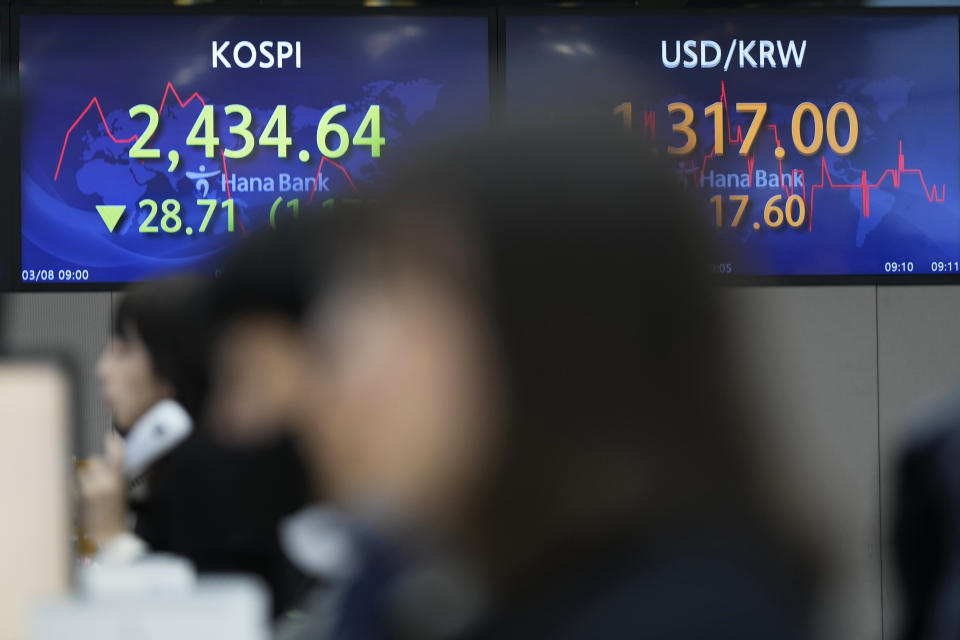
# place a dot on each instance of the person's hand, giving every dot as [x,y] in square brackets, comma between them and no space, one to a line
[103,493]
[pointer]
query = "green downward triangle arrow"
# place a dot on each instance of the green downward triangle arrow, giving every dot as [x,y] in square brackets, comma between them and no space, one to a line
[111,214]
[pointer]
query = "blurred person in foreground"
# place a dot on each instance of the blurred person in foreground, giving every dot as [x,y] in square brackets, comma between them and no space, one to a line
[525,403]
[187,494]
[927,525]
[258,353]
[259,369]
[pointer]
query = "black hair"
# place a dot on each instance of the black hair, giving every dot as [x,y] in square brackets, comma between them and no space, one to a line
[591,266]
[169,317]
[269,273]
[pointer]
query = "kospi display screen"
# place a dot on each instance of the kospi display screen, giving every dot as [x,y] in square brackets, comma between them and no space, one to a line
[818,146]
[150,143]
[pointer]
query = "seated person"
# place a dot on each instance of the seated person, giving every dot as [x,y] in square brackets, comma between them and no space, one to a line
[187,493]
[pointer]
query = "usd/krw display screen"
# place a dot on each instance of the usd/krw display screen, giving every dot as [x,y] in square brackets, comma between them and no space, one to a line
[818,145]
[152,142]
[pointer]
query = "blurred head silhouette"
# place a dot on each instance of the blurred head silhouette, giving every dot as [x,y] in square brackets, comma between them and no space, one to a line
[519,346]
[258,356]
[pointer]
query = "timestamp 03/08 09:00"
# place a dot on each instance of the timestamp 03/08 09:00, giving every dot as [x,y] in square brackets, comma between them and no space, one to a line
[54,275]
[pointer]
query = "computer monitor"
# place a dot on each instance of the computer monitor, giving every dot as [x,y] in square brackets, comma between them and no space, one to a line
[818,145]
[153,141]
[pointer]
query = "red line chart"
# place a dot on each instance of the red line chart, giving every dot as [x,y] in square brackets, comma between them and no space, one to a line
[864,185]
[96,101]
[317,178]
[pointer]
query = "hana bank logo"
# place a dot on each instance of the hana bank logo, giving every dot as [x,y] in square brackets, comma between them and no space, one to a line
[202,184]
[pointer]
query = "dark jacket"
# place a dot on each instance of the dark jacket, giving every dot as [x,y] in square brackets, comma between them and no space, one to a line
[220,508]
[722,589]
[687,591]
[927,527]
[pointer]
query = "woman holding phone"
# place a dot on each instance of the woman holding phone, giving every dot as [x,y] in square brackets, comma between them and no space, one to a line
[164,484]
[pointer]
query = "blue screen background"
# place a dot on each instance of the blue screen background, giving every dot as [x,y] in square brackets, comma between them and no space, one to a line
[429,74]
[900,73]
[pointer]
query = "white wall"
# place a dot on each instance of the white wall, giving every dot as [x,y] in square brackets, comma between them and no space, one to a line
[845,368]
[838,369]
[813,351]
